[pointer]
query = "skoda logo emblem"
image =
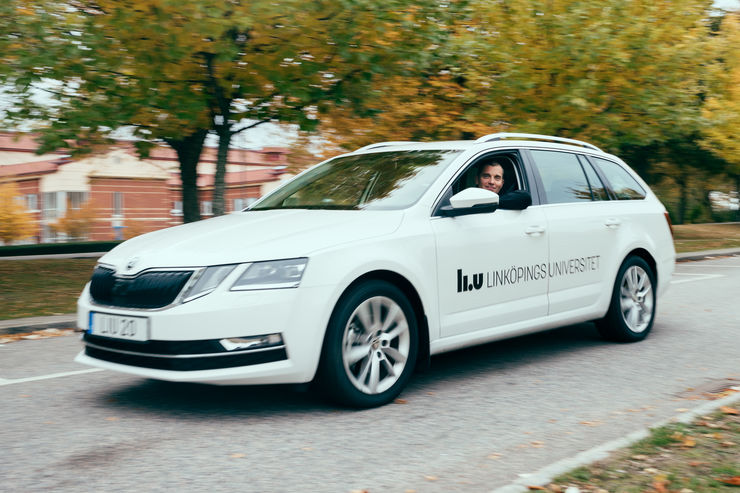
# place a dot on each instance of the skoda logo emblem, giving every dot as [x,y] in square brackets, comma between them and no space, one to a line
[132,263]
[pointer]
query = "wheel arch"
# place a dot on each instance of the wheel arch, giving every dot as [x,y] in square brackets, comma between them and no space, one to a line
[647,257]
[408,289]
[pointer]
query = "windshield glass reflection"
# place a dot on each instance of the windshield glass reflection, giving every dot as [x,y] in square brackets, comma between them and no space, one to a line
[377,181]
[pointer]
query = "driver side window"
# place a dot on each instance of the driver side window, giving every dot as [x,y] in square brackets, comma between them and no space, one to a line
[512,175]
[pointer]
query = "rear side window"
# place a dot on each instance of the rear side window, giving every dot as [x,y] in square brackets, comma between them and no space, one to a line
[624,186]
[562,177]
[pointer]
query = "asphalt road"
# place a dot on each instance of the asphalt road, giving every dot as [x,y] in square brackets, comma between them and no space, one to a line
[476,421]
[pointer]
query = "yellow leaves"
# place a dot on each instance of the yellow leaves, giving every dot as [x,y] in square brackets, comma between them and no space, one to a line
[15,222]
[76,223]
[592,423]
[38,334]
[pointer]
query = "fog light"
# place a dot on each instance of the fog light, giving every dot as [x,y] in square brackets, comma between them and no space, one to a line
[254,342]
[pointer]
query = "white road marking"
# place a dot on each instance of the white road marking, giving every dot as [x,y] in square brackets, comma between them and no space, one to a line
[6,381]
[695,277]
[689,264]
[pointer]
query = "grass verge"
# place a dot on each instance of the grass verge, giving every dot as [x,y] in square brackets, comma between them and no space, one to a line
[700,457]
[32,288]
[697,237]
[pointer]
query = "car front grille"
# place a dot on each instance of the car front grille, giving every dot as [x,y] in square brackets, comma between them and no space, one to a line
[152,289]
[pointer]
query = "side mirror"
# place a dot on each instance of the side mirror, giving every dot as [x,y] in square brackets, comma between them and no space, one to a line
[471,201]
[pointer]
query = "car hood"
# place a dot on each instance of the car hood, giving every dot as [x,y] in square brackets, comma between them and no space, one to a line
[249,236]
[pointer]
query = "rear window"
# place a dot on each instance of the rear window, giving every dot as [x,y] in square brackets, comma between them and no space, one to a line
[624,186]
[562,177]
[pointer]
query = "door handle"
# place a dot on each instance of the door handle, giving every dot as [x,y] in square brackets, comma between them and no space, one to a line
[534,230]
[612,222]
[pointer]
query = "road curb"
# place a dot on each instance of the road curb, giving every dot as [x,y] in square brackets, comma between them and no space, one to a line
[22,325]
[545,475]
[707,254]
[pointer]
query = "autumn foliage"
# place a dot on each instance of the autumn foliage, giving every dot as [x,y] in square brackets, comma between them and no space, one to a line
[76,223]
[15,222]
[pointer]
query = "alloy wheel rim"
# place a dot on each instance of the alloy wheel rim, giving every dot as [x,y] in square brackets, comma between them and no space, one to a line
[376,345]
[636,299]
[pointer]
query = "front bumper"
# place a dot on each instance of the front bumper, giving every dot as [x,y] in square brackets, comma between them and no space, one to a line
[184,345]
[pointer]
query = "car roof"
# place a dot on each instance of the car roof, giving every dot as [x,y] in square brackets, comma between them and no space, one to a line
[492,141]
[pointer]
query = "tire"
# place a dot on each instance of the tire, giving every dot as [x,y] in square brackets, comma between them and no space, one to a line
[632,309]
[370,346]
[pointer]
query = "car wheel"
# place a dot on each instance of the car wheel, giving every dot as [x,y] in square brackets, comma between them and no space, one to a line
[370,346]
[632,309]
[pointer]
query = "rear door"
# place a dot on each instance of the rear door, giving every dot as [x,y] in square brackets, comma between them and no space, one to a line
[581,230]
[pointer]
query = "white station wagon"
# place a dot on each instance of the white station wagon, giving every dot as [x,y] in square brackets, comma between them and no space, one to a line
[359,269]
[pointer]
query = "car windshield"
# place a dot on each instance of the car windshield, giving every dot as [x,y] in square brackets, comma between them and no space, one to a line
[379,181]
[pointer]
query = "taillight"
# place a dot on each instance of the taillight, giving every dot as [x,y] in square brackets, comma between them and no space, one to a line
[668,220]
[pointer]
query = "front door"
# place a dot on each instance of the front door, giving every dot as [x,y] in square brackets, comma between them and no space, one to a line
[491,269]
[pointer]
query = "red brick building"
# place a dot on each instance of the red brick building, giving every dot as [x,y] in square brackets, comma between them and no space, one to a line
[127,195]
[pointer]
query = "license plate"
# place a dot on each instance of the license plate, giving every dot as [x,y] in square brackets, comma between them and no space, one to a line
[119,327]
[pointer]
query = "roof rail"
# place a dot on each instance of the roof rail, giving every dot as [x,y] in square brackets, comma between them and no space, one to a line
[546,138]
[384,144]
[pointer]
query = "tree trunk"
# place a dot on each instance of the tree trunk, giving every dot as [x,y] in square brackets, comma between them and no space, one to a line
[683,196]
[188,151]
[737,190]
[219,185]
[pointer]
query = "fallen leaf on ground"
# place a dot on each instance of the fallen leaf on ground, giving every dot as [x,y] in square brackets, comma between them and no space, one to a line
[640,457]
[592,423]
[688,442]
[237,456]
[537,444]
[494,456]
[112,418]
[401,401]
[540,488]
[732,481]
[431,478]
[697,463]
[729,410]
[728,444]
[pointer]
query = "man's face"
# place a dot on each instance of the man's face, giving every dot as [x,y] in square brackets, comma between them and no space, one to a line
[491,177]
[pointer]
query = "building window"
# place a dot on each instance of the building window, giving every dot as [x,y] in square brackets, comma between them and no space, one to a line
[117,203]
[32,202]
[77,199]
[206,208]
[50,205]
[240,204]
[176,208]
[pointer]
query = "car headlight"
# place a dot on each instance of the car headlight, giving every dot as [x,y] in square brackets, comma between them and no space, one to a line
[208,280]
[272,274]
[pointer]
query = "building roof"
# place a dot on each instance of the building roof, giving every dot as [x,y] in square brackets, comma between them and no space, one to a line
[35,168]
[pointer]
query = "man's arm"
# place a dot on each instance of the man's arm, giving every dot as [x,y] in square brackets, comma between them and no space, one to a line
[516,200]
